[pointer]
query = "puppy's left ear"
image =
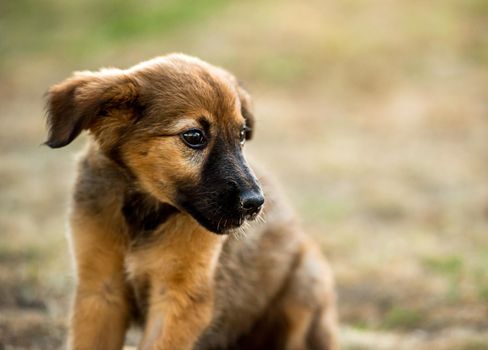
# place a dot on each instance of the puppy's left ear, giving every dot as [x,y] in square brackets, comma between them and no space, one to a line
[246,110]
[75,104]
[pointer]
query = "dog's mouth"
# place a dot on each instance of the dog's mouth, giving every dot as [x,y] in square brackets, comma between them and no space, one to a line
[224,225]
[220,224]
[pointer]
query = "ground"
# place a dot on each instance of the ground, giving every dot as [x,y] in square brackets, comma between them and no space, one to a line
[372,115]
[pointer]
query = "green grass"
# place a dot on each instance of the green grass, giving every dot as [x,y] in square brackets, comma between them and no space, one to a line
[402,318]
[83,28]
[449,267]
[283,68]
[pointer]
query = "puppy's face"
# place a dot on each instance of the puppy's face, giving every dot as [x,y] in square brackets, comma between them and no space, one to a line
[177,125]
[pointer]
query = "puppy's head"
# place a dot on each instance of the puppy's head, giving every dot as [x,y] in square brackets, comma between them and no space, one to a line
[177,124]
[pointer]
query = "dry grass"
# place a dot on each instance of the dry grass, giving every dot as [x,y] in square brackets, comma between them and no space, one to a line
[373,115]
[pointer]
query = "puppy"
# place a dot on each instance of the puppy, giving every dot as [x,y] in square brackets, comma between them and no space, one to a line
[163,228]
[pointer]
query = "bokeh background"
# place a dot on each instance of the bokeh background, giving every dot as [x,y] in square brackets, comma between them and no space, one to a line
[373,115]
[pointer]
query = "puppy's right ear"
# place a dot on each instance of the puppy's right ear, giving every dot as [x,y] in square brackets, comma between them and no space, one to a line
[75,104]
[246,110]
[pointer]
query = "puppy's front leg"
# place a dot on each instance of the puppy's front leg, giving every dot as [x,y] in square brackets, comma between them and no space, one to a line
[176,318]
[180,271]
[100,313]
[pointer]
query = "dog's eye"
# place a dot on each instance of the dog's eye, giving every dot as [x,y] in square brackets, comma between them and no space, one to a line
[242,136]
[194,138]
[245,134]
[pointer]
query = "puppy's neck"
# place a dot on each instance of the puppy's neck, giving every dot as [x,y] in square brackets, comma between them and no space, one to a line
[143,213]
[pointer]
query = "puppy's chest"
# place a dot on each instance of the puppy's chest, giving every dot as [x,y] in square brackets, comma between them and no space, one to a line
[177,257]
[165,243]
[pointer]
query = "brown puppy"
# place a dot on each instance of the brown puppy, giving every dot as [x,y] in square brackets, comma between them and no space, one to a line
[162,226]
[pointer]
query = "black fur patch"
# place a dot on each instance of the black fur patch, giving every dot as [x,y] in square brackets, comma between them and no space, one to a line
[143,213]
[214,201]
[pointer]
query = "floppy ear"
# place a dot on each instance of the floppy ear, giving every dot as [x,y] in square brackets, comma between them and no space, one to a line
[75,104]
[246,110]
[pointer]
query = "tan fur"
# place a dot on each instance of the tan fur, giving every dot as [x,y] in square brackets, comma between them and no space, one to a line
[181,268]
[263,286]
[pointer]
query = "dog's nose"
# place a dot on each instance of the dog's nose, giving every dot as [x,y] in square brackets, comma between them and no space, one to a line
[251,202]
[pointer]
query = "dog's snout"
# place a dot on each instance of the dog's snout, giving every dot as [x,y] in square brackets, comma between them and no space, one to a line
[251,202]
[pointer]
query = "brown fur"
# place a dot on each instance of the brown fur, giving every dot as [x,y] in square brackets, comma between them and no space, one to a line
[263,286]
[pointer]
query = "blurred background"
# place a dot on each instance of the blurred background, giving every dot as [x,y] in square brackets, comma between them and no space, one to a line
[373,115]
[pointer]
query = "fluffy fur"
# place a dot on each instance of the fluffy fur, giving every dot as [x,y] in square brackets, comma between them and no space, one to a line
[159,231]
